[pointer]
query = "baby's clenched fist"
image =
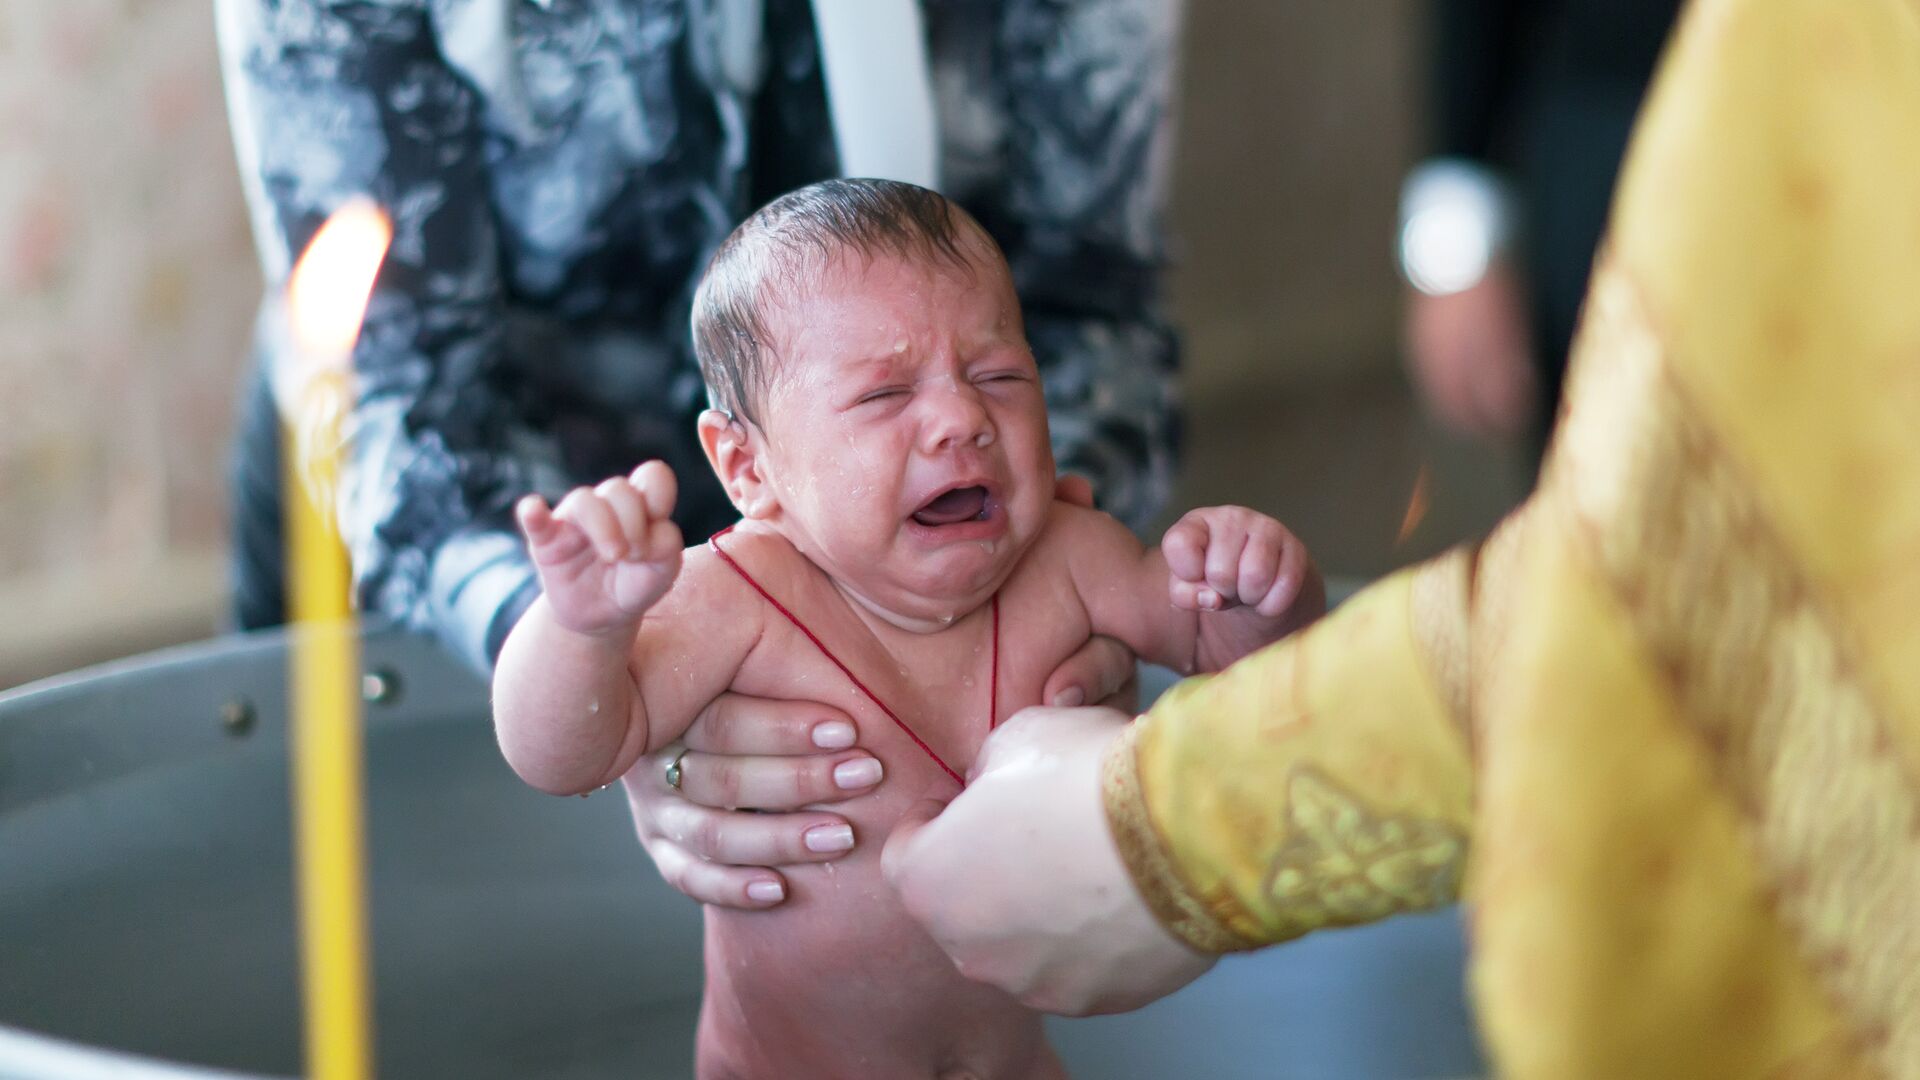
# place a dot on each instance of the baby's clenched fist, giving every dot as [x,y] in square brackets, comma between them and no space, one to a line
[607,553]
[1229,556]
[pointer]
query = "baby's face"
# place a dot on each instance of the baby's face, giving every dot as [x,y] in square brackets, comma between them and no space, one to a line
[904,431]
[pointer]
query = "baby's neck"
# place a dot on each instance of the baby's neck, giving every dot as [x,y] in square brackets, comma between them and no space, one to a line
[930,615]
[872,612]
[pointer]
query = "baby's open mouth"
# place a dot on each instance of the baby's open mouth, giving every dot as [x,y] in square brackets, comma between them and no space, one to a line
[954,507]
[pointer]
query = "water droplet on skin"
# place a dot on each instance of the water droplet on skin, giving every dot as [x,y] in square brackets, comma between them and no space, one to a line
[593,707]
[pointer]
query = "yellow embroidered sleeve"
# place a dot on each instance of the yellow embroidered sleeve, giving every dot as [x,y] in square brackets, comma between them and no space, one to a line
[1693,665]
[1699,801]
[1349,795]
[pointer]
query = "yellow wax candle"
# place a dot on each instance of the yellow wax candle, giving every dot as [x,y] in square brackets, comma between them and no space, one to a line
[326,303]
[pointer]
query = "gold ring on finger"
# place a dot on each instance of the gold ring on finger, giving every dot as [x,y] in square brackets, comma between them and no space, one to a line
[674,773]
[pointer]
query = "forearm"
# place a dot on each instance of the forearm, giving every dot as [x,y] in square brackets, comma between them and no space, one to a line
[565,705]
[430,474]
[467,589]
[1322,782]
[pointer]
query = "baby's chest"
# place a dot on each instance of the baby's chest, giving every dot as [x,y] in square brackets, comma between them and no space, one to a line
[923,718]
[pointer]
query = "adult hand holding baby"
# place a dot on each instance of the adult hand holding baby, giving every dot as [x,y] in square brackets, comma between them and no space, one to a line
[1018,879]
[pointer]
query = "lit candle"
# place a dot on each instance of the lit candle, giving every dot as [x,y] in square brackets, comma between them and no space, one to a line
[326,303]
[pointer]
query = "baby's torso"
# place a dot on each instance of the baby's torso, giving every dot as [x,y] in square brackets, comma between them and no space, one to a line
[839,972]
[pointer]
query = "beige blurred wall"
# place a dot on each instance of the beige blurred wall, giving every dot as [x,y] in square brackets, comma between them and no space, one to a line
[127,280]
[126,284]
[1297,122]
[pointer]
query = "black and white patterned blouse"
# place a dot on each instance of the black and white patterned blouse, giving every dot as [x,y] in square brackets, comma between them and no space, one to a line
[559,170]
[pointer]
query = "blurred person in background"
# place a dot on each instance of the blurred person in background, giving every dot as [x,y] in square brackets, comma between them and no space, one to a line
[558,173]
[1532,101]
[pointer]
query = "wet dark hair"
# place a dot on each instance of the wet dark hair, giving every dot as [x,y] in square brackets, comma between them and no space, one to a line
[793,235]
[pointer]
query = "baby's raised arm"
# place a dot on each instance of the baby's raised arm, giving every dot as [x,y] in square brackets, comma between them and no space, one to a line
[1224,582]
[607,665]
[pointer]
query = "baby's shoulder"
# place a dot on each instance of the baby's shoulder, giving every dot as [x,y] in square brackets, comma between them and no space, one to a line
[1077,531]
[709,583]
[745,568]
[746,552]
[1078,541]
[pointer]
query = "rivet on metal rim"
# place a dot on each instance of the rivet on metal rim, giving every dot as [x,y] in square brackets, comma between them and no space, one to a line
[380,687]
[237,716]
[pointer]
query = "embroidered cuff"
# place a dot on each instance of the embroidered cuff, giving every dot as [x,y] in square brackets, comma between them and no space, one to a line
[1147,859]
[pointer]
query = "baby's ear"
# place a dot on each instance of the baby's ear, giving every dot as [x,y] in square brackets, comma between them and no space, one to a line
[732,451]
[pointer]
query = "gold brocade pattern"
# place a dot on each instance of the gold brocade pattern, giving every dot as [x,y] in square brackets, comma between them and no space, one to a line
[1170,897]
[1343,865]
[1438,609]
[1496,570]
[1247,816]
[1832,1058]
[1755,662]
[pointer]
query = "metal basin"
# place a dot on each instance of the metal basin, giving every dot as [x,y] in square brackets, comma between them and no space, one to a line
[146,909]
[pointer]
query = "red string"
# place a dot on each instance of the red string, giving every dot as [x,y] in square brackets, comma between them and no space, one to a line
[993,678]
[993,701]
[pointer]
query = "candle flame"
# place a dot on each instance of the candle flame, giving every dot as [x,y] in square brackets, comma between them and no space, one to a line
[1417,504]
[328,291]
[326,304]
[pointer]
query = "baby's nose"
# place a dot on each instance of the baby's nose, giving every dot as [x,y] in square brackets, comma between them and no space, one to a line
[959,419]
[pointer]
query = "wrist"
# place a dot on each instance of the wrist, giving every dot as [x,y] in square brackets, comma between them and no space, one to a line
[1144,853]
[617,636]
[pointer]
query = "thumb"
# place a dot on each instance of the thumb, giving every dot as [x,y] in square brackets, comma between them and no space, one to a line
[893,856]
[1095,672]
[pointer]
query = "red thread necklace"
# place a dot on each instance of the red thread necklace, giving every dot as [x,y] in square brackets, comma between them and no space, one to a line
[993,691]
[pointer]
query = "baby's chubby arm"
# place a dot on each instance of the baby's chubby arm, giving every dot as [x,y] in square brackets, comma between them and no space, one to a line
[1224,582]
[601,669]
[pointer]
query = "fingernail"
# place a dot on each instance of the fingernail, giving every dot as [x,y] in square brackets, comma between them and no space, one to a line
[858,773]
[1070,697]
[829,838]
[1209,599]
[766,892]
[833,735]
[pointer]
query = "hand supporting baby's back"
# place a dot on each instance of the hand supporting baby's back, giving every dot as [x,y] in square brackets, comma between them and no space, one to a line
[607,553]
